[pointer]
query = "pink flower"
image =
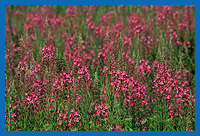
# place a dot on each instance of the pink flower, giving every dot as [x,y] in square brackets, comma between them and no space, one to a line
[72,110]
[76,120]
[13,115]
[60,122]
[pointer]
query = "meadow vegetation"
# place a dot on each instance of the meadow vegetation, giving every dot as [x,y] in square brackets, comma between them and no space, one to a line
[99,68]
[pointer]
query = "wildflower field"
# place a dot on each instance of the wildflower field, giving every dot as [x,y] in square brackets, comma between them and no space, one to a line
[99,68]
